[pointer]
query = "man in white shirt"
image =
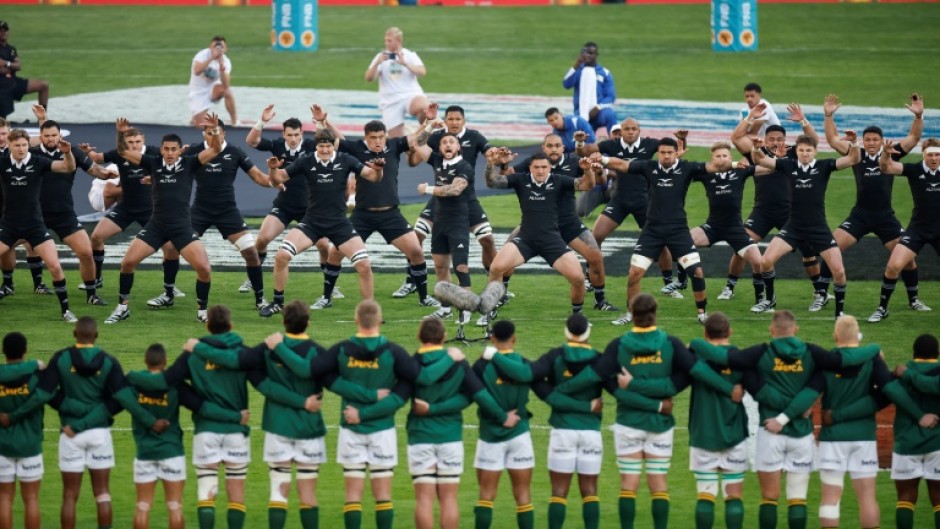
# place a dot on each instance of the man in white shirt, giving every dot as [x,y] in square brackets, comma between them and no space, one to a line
[398,69]
[753,97]
[209,81]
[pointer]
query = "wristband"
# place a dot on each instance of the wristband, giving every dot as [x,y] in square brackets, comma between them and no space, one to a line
[853,145]
[918,116]
[734,165]
[804,123]
[351,201]
[782,419]
[827,115]
[429,127]
[429,190]
[259,126]
[605,160]
[750,120]
[504,166]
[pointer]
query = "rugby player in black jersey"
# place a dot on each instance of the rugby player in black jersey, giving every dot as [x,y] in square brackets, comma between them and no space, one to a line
[872,212]
[725,192]
[21,176]
[326,172]
[215,205]
[290,205]
[541,193]
[808,178]
[668,179]
[58,210]
[472,143]
[772,199]
[629,195]
[924,227]
[575,234]
[376,203]
[172,176]
[450,241]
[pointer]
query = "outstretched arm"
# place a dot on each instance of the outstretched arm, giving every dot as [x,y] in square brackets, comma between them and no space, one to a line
[830,105]
[916,106]
[855,154]
[254,134]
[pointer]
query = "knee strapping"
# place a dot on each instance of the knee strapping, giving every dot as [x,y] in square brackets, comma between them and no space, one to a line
[829,512]
[361,255]
[483,230]
[103,498]
[729,479]
[797,485]
[174,506]
[811,262]
[463,278]
[706,483]
[640,261]
[245,242]
[355,470]
[381,472]
[289,247]
[422,226]
[280,483]
[743,251]
[630,466]
[236,470]
[143,506]
[424,479]
[689,260]
[448,480]
[834,478]
[658,466]
[207,483]
[307,471]
[698,283]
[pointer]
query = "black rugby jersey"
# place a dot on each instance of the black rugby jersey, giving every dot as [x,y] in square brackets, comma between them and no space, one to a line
[326,183]
[22,187]
[807,190]
[772,195]
[925,189]
[567,166]
[539,202]
[629,190]
[451,210]
[172,188]
[472,143]
[294,195]
[383,193]
[872,188]
[725,192]
[135,196]
[215,182]
[667,188]
[56,194]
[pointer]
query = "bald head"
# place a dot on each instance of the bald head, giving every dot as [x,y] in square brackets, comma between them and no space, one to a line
[630,130]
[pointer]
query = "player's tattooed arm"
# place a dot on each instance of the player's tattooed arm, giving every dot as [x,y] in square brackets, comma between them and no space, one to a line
[494,177]
[420,136]
[452,190]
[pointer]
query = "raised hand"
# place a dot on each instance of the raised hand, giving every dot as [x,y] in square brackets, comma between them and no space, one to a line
[916,105]
[431,112]
[40,112]
[796,112]
[317,112]
[889,149]
[211,120]
[758,111]
[580,135]
[831,104]
[64,146]
[681,135]
[268,113]
[122,125]
[756,142]
[850,136]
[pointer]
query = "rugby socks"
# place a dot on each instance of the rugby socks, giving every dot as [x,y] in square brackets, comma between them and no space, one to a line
[8,278]
[627,505]
[98,256]
[384,514]
[236,515]
[577,307]
[681,277]
[125,284]
[705,511]
[769,285]
[279,297]
[936,516]
[839,291]
[205,511]
[330,277]
[202,294]
[35,269]
[505,281]
[911,280]
[419,274]
[599,294]
[734,512]
[257,281]
[309,516]
[887,288]
[820,286]
[557,509]
[732,282]
[591,512]
[409,278]
[171,267]
[90,289]
[667,275]
[277,514]
[525,516]
[262,256]
[62,292]
[796,513]
[701,304]
[821,282]
[758,281]
[660,508]
[352,515]
[767,514]
[483,514]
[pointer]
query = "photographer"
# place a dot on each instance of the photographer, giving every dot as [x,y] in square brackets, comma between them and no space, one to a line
[210,81]
[398,69]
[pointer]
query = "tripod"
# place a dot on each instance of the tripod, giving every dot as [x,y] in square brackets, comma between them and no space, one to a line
[461,336]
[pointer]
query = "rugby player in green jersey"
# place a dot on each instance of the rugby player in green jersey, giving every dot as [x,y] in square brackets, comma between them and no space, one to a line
[435,428]
[916,452]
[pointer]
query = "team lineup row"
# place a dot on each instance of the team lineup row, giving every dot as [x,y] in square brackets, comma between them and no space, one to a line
[645,177]
[643,369]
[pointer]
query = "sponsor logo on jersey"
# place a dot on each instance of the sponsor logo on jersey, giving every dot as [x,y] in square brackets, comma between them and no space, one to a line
[783,367]
[162,401]
[664,182]
[647,359]
[355,363]
[803,183]
[6,391]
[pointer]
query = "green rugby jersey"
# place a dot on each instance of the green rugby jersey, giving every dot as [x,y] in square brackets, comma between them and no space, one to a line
[847,386]
[224,387]
[510,394]
[563,363]
[909,437]
[446,398]
[87,376]
[715,421]
[18,381]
